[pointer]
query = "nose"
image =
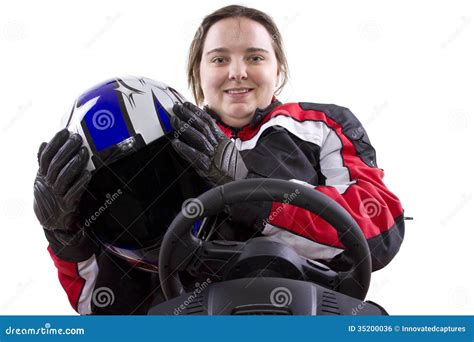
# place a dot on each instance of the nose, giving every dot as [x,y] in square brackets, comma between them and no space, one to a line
[237,70]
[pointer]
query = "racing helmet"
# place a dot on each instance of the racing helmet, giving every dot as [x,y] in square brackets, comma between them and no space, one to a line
[138,182]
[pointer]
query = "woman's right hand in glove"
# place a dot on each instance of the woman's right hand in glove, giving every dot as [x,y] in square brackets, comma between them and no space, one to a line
[60,182]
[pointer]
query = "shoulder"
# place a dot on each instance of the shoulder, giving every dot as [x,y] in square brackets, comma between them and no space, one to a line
[326,108]
[332,114]
[340,119]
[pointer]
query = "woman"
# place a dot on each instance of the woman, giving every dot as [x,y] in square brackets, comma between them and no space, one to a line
[237,66]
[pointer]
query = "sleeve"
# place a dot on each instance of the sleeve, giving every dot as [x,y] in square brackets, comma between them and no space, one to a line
[352,179]
[99,283]
[77,270]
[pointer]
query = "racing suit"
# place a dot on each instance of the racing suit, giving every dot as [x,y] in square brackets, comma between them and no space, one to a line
[323,146]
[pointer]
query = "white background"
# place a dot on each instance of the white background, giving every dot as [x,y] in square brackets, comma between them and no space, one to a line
[404,68]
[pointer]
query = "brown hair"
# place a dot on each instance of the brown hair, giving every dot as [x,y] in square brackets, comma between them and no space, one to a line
[233,11]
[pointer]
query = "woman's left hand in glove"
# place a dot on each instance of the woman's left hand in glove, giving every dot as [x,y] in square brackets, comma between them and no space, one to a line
[200,142]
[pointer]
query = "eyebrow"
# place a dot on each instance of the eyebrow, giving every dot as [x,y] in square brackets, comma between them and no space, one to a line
[225,50]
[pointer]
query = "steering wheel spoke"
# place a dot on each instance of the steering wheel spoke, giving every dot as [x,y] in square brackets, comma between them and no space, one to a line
[317,272]
[215,257]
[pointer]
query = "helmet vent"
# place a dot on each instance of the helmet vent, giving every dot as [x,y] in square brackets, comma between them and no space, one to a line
[261,309]
[329,304]
[195,306]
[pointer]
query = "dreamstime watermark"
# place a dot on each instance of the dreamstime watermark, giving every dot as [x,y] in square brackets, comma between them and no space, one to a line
[46,330]
[459,119]
[182,129]
[281,296]
[21,110]
[192,208]
[357,133]
[103,119]
[288,199]
[377,111]
[460,296]
[103,296]
[108,202]
[14,31]
[375,288]
[465,198]
[199,288]
[452,37]
[109,21]
[286,22]
[370,208]
[370,30]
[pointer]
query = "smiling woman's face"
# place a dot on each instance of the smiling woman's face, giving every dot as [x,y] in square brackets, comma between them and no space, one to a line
[238,70]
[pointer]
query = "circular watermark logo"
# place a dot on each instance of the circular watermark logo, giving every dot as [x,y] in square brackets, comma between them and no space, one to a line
[103,119]
[460,297]
[370,208]
[14,31]
[192,208]
[458,120]
[102,297]
[370,31]
[281,296]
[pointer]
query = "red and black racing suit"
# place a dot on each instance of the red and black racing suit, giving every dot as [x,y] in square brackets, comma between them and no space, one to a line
[323,146]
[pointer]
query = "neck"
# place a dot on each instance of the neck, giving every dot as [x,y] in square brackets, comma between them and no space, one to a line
[237,122]
[230,122]
[251,119]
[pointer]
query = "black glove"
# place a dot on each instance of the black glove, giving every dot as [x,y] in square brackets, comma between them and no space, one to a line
[205,146]
[59,185]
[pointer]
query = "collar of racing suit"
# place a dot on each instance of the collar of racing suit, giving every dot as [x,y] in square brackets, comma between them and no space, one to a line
[259,115]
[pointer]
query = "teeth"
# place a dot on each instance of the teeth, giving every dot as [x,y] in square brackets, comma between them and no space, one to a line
[237,91]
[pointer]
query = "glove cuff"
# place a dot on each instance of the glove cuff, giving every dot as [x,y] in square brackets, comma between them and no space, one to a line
[78,249]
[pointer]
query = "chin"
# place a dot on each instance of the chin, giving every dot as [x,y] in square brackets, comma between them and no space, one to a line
[241,108]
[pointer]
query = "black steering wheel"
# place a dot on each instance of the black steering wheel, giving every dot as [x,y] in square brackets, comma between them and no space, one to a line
[180,249]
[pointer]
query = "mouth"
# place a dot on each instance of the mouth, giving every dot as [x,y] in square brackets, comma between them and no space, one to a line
[238,92]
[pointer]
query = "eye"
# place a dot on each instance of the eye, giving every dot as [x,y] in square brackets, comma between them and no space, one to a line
[255,59]
[219,60]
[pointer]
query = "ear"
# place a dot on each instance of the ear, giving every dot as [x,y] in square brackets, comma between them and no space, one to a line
[278,77]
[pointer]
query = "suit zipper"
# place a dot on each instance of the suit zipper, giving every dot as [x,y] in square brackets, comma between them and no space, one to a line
[235,132]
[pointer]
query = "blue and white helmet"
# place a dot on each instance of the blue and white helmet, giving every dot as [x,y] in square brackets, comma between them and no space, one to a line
[138,182]
[120,116]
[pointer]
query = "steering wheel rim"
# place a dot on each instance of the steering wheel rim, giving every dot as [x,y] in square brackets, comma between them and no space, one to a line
[354,282]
